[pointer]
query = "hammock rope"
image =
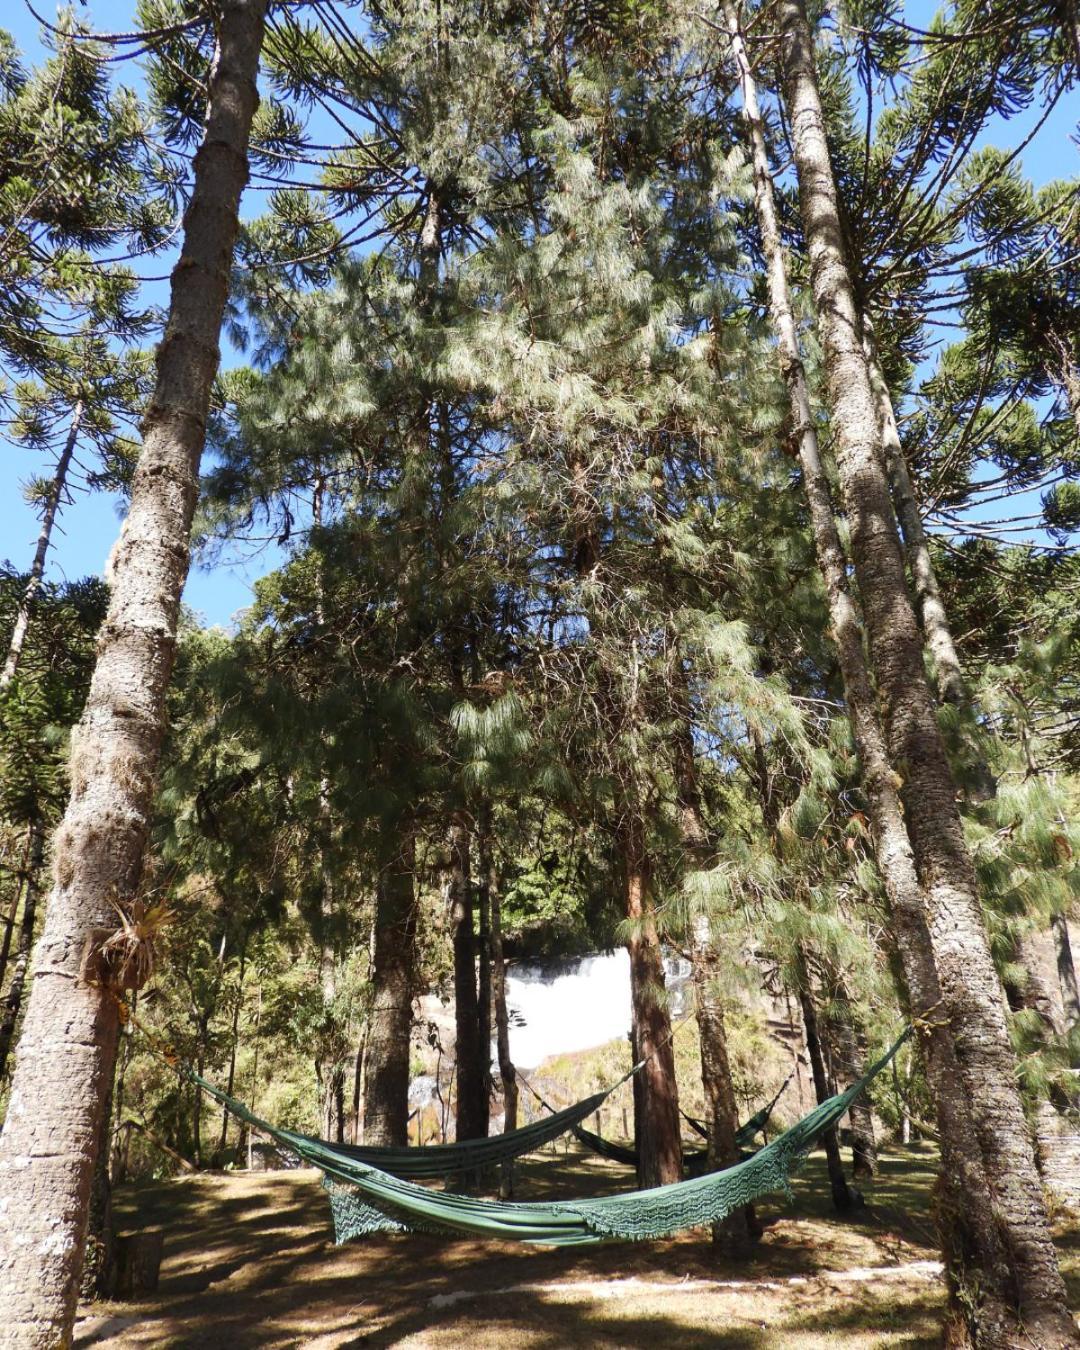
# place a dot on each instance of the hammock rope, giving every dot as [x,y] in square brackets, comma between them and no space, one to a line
[365,1199]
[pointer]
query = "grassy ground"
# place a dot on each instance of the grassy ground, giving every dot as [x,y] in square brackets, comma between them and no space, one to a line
[249,1262]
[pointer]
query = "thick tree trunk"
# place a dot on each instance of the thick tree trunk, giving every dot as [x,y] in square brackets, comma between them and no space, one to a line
[68,1046]
[842,1196]
[12,1004]
[981,1287]
[972,1000]
[1070,990]
[37,567]
[470,1121]
[386,1056]
[657,1128]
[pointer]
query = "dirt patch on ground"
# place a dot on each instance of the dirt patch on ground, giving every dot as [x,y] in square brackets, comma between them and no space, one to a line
[250,1262]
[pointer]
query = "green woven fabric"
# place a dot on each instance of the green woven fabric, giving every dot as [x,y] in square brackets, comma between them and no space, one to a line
[443,1160]
[366,1200]
[693,1157]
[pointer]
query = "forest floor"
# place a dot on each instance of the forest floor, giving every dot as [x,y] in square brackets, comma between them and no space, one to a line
[249,1262]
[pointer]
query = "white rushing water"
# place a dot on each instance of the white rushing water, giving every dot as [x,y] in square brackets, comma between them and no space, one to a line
[559,1006]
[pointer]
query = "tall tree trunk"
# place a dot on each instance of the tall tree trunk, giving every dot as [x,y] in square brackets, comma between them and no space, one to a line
[483,972]
[1070,990]
[507,1072]
[972,999]
[841,1192]
[735,1236]
[53,499]
[982,1297]
[68,1046]
[935,623]
[12,1004]
[386,1075]
[470,1116]
[657,1127]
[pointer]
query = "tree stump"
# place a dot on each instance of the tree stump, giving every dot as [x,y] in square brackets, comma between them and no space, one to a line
[137,1262]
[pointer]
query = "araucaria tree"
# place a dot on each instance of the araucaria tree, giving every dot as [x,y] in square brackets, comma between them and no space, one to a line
[68,1044]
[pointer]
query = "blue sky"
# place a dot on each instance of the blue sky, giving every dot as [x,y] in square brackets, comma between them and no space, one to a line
[89,526]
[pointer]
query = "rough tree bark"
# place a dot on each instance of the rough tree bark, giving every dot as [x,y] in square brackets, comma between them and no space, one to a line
[37,568]
[972,1000]
[386,1054]
[981,1289]
[68,1045]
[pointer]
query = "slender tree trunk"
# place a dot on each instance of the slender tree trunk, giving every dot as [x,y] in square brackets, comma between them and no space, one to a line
[735,1236]
[507,1072]
[17,899]
[971,991]
[37,568]
[386,1076]
[68,1046]
[1070,990]
[483,975]
[657,1127]
[470,1115]
[841,1192]
[234,1042]
[935,623]
[849,1053]
[12,1004]
[982,1290]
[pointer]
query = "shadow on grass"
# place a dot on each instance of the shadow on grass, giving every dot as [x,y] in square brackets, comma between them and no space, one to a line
[249,1262]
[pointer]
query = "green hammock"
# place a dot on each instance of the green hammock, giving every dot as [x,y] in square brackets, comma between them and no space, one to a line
[366,1200]
[442,1160]
[694,1158]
